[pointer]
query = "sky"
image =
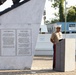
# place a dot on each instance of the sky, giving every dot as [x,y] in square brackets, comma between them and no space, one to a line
[49,10]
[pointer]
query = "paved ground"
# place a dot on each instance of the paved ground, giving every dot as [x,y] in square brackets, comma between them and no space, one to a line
[42,65]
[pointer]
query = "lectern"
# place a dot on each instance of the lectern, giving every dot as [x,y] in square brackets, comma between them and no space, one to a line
[65,55]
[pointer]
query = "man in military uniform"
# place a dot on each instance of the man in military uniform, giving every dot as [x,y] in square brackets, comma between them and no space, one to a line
[55,38]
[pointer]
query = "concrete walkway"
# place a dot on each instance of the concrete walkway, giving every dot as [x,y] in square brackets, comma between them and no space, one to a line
[42,65]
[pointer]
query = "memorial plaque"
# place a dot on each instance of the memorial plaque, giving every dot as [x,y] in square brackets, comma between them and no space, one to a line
[16,42]
[24,42]
[8,44]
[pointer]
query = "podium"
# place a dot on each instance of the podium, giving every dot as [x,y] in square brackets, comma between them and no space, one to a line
[65,55]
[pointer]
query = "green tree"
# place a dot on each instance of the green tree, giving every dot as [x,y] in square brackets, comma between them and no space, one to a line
[61,11]
[59,4]
[71,14]
[54,20]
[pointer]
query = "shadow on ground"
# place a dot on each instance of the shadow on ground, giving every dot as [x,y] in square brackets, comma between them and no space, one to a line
[22,72]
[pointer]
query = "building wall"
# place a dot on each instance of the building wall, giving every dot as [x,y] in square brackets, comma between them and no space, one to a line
[70,27]
[44,46]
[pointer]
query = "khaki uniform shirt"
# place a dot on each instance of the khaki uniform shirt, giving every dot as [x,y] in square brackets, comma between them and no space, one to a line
[56,36]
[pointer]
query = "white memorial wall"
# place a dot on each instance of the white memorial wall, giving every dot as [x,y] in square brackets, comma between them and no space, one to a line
[19,29]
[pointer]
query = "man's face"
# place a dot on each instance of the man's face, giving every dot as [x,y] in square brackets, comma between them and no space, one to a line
[58,29]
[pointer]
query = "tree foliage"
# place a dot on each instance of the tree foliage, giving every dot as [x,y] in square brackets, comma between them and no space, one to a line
[61,11]
[54,20]
[59,4]
[55,3]
[71,14]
